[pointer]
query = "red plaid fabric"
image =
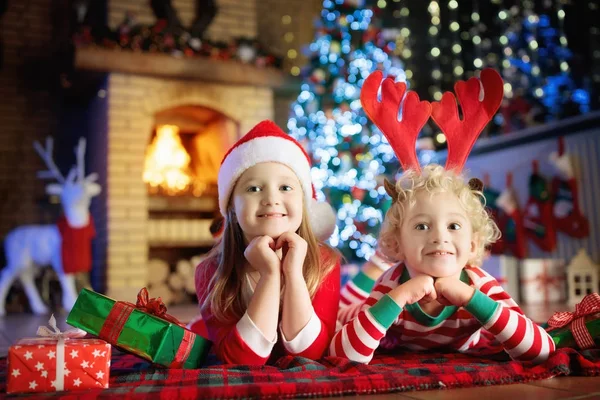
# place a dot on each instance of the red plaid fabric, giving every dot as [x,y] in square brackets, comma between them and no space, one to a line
[132,377]
[589,305]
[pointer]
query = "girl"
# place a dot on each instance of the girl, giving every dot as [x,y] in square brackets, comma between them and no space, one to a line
[269,269]
[437,297]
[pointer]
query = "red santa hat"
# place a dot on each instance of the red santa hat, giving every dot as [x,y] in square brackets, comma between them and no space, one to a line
[266,142]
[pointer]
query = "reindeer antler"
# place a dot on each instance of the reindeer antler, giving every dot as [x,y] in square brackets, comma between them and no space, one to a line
[402,135]
[80,154]
[477,112]
[46,155]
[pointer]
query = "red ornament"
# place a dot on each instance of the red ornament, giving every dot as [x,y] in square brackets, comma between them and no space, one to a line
[358,194]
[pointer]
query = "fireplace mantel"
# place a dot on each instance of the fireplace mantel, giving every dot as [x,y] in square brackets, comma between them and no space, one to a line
[167,66]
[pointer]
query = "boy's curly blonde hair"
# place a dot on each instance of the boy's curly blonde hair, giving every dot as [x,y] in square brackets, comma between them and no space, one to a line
[436,179]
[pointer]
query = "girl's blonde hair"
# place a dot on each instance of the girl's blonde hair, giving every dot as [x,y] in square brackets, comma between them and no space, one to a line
[225,300]
[436,179]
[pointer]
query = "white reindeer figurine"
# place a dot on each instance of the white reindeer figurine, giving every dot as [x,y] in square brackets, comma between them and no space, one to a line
[29,247]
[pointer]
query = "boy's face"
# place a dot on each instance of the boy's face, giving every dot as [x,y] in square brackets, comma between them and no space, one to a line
[268,201]
[436,237]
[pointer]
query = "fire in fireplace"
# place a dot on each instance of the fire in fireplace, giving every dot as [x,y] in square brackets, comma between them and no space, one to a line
[167,163]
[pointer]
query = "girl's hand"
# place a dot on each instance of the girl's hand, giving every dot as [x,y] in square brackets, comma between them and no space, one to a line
[293,252]
[261,255]
[418,288]
[453,291]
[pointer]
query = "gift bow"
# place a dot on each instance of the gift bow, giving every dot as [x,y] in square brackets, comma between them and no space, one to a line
[154,306]
[55,333]
[589,305]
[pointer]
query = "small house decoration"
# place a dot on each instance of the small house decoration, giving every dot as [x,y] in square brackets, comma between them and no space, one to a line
[582,277]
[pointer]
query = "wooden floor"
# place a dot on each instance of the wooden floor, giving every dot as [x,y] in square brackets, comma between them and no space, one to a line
[15,326]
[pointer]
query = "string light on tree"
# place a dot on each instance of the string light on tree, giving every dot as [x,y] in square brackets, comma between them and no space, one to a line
[537,76]
[349,155]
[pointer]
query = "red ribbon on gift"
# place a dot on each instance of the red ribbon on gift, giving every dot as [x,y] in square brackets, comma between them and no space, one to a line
[119,314]
[154,306]
[545,281]
[589,305]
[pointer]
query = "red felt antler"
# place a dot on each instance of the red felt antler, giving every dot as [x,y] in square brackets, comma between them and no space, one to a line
[461,135]
[402,135]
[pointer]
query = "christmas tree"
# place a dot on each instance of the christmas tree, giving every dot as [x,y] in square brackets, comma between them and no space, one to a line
[536,67]
[350,156]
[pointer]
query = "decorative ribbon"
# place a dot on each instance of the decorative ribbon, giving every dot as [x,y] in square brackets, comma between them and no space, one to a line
[55,333]
[545,281]
[119,314]
[589,305]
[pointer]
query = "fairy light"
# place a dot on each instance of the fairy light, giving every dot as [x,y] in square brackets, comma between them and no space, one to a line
[560,13]
[504,42]
[533,19]
[434,54]
[404,42]
[288,38]
[457,63]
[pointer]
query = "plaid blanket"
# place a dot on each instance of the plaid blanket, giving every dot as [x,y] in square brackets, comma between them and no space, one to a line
[132,377]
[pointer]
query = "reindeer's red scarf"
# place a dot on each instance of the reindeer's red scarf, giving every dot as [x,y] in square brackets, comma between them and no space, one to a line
[76,246]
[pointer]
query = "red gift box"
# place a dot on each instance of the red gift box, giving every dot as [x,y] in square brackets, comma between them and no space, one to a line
[58,361]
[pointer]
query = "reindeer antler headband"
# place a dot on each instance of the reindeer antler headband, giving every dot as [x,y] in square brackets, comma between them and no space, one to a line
[479,101]
[478,107]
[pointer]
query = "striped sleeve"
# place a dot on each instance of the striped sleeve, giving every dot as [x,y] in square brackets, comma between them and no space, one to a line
[360,336]
[356,291]
[358,288]
[521,338]
[353,295]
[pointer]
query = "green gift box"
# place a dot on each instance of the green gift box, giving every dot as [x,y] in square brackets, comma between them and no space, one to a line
[132,327]
[563,337]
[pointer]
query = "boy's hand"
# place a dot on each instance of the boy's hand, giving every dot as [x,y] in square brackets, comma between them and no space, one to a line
[420,287]
[453,291]
[261,255]
[293,252]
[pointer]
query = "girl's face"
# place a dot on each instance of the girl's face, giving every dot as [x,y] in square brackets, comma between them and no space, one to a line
[436,237]
[268,201]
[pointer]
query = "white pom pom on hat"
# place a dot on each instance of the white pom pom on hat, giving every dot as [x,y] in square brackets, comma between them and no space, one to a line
[266,142]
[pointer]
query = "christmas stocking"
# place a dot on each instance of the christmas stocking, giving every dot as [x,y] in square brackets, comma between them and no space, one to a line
[538,219]
[513,230]
[566,212]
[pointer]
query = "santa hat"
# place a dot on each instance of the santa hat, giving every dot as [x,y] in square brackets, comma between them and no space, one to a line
[266,142]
